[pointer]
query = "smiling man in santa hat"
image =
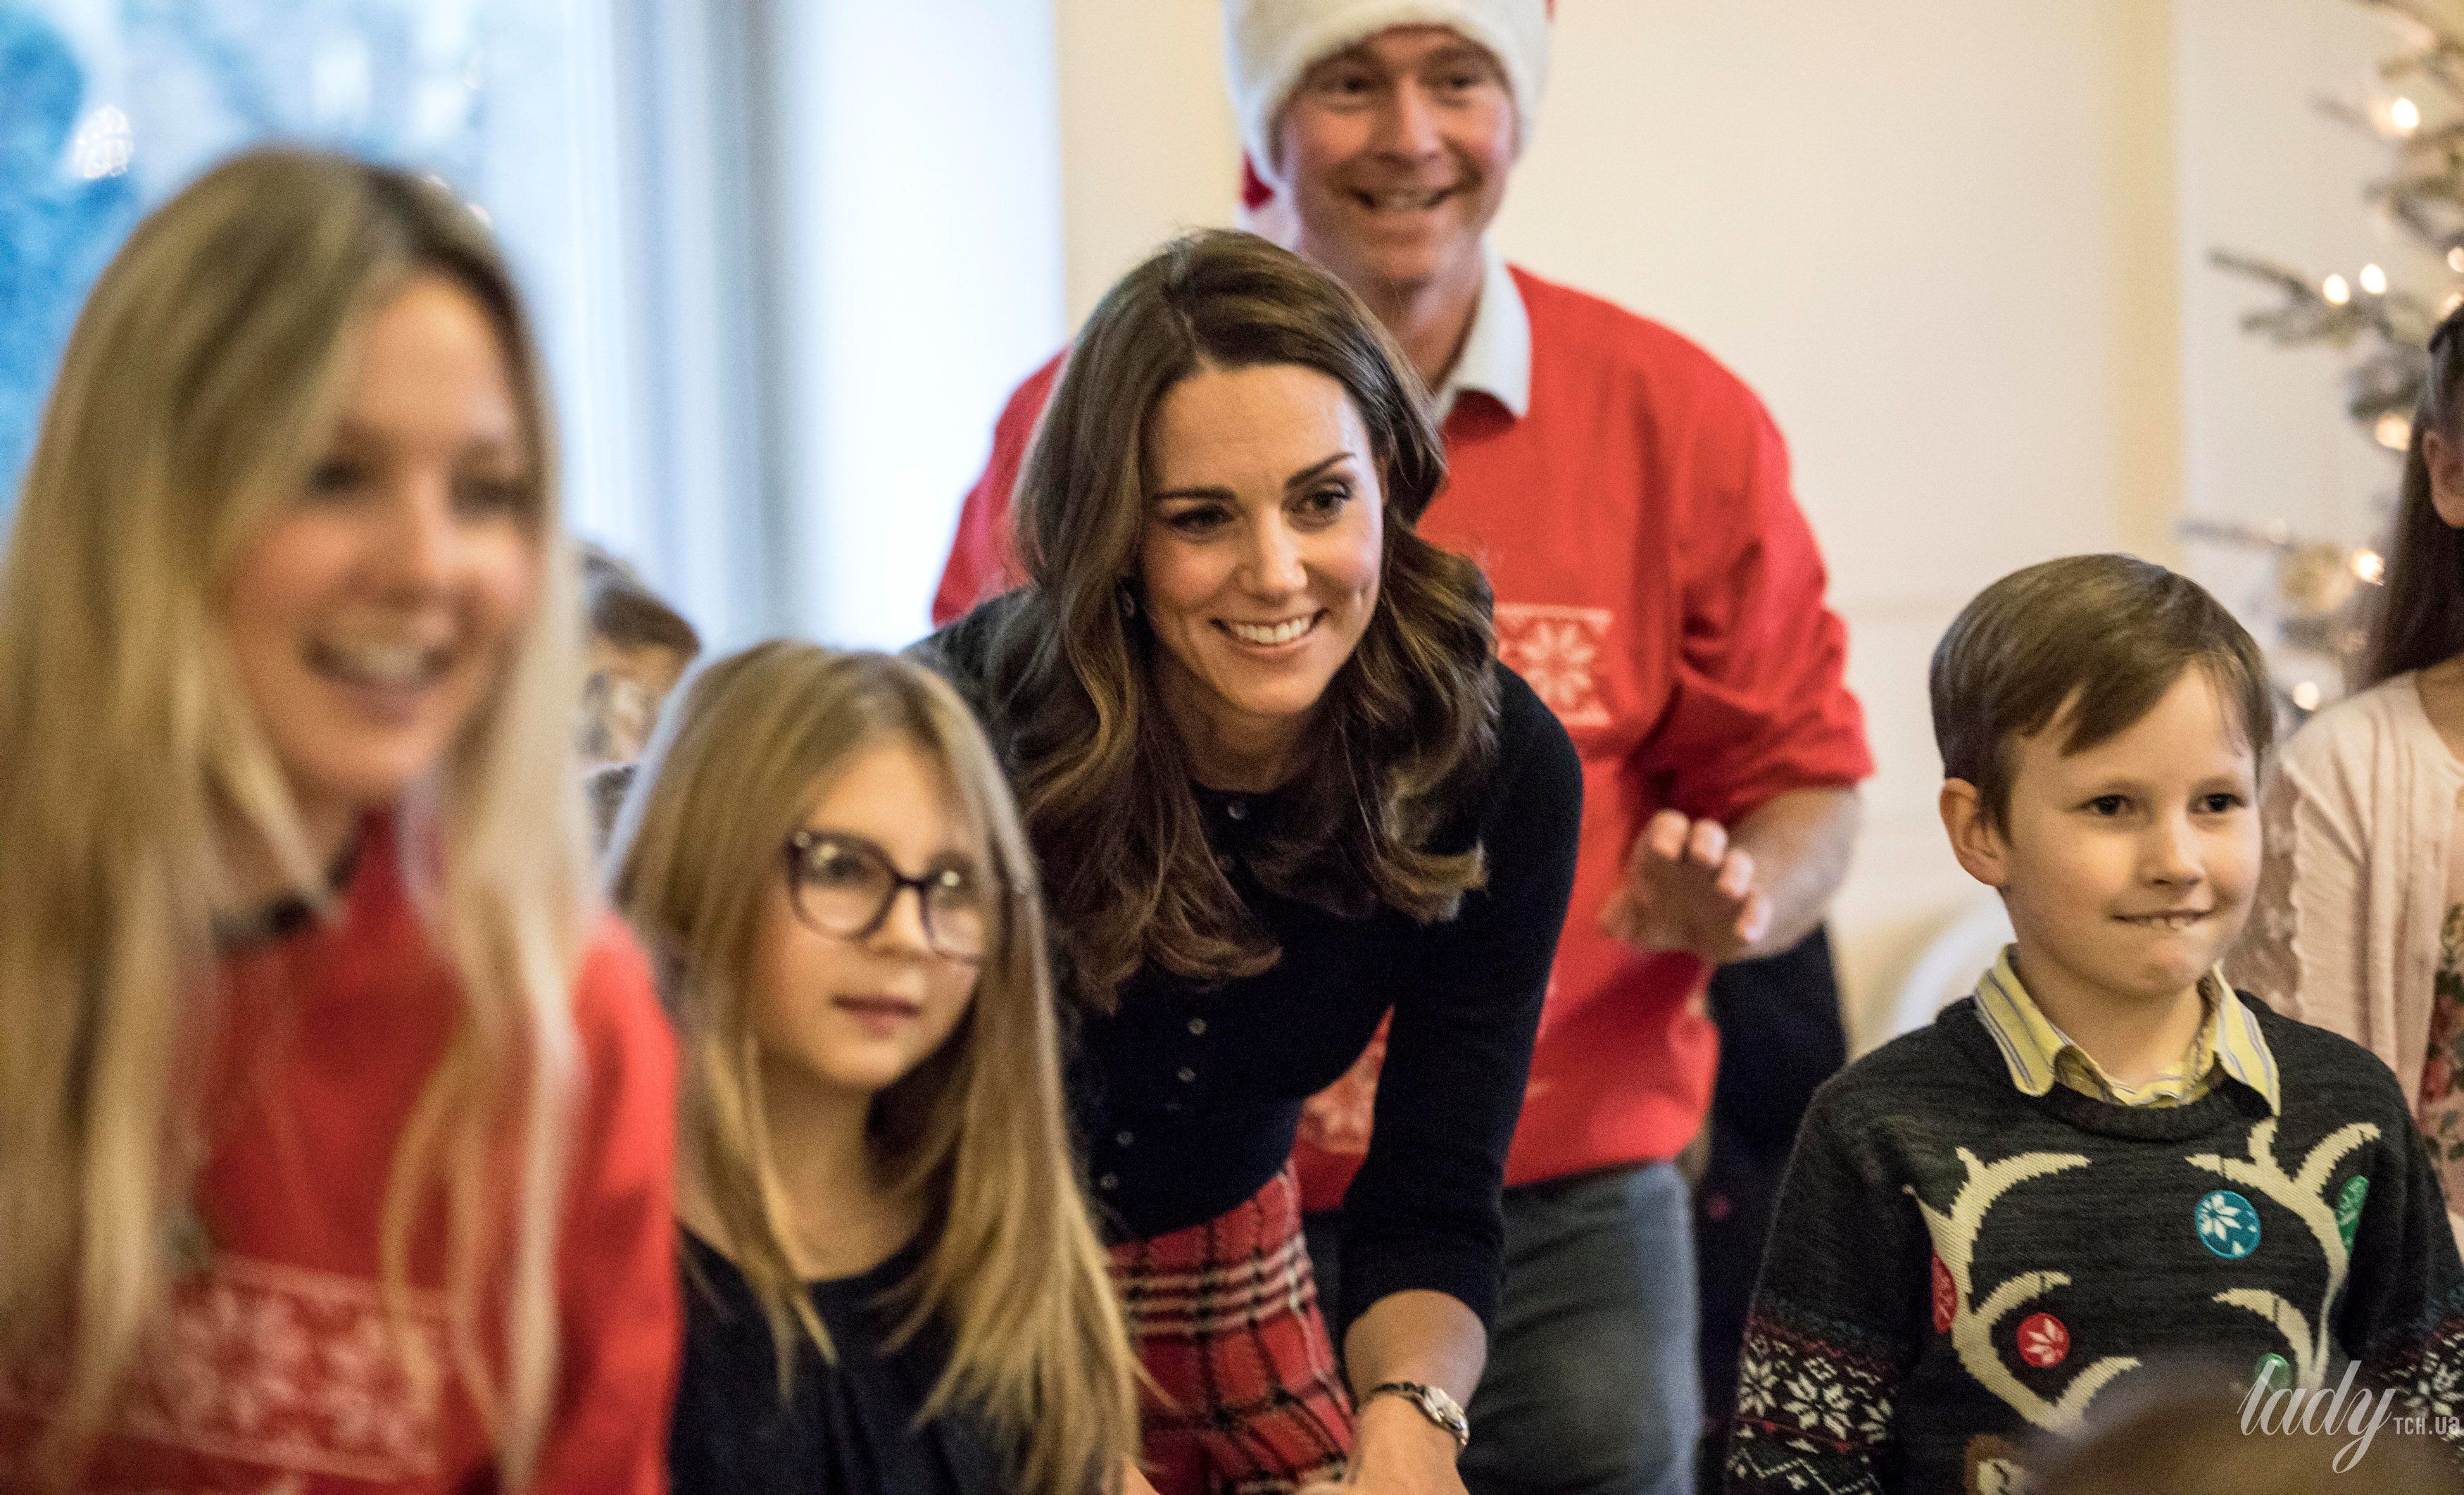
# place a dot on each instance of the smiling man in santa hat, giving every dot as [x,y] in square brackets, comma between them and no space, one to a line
[1659,588]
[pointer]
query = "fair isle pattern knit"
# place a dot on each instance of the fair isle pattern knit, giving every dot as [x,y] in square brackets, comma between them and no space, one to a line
[266,1364]
[1960,1269]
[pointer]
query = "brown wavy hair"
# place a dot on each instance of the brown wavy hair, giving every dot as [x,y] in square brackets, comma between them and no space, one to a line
[2419,620]
[1406,730]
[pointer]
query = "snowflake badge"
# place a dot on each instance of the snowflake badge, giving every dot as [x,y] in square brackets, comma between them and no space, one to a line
[2349,1209]
[2227,1224]
[2044,1341]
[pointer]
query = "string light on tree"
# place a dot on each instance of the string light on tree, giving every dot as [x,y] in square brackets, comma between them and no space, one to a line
[2309,615]
[2418,119]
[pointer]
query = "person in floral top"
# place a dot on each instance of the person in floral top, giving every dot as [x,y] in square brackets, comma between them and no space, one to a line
[2359,922]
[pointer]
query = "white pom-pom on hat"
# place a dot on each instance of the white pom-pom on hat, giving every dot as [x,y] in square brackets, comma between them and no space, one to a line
[1269,44]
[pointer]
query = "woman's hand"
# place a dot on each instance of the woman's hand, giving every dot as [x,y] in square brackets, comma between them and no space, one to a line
[1413,1335]
[1397,1451]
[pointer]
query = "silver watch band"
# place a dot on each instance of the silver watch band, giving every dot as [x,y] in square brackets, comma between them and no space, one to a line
[1434,1404]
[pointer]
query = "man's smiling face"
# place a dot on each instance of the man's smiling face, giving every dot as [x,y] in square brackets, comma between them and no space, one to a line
[1396,153]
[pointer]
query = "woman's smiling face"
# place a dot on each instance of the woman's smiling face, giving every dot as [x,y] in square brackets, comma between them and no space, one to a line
[1258,559]
[371,618]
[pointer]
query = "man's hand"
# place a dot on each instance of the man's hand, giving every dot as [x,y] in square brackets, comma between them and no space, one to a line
[1687,888]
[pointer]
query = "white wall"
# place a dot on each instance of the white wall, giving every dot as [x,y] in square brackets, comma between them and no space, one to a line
[1939,237]
[1147,139]
[918,275]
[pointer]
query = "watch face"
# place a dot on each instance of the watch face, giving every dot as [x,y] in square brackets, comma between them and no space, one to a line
[1435,1405]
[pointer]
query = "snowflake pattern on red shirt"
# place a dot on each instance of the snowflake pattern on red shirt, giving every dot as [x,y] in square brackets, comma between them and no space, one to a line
[1558,652]
[282,1367]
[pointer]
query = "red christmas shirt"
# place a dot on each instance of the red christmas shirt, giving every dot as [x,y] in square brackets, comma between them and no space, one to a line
[1659,588]
[275,1368]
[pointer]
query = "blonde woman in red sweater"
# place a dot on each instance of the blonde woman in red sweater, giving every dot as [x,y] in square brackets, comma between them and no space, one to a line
[323,1082]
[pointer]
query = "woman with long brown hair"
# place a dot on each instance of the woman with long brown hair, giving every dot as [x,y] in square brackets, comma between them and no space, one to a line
[335,1115]
[1279,786]
[2358,926]
[891,1287]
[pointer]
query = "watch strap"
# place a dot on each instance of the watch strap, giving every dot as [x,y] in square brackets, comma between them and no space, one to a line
[1434,1404]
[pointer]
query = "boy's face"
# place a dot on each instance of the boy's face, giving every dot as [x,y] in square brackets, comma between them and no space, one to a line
[2127,867]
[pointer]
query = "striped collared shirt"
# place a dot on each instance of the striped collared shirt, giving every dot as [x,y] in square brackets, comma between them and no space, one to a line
[2039,1054]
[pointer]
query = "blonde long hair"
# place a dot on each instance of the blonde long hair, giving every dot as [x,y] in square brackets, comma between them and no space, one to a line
[1014,1273]
[198,388]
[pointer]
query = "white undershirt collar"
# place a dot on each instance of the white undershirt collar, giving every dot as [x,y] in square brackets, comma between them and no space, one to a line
[1496,357]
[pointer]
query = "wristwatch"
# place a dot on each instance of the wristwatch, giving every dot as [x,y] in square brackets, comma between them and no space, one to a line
[1434,1404]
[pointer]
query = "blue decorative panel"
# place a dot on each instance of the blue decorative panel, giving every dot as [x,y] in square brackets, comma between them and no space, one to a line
[108,106]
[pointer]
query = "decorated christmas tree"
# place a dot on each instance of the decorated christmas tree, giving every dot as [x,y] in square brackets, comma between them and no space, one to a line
[2317,611]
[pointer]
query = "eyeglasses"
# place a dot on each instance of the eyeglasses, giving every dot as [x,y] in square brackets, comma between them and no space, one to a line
[843,886]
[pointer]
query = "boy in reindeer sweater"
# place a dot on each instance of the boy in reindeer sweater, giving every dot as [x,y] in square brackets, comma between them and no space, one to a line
[2105,1162]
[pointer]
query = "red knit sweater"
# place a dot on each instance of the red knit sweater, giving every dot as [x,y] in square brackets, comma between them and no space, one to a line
[1659,588]
[274,1368]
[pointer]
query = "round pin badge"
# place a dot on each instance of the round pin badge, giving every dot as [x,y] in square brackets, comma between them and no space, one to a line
[2349,1209]
[2227,1224]
[2044,1341]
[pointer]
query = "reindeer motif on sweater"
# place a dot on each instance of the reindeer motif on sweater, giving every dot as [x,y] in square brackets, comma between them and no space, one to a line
[1958,1271]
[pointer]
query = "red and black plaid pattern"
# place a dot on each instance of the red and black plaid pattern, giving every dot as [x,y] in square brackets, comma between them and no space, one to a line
[1225,1319]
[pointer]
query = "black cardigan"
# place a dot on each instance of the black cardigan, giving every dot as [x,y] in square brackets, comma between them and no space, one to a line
[1187,1099]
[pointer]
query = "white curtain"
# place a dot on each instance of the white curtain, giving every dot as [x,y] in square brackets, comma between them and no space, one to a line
[836,243]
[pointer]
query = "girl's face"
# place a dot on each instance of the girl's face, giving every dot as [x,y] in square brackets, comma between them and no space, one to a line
[851,1009]
[1259,560]
[369,621]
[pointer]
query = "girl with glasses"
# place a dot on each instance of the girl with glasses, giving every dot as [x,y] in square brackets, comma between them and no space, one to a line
[335,1124]
[891,1281]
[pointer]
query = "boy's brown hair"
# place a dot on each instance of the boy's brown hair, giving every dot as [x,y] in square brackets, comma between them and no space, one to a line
[2096,640]
[623,611]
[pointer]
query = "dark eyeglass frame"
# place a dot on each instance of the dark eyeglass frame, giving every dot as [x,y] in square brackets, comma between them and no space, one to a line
[800,846]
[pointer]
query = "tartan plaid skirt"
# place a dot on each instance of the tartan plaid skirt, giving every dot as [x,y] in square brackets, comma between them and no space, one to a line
[1225,1319]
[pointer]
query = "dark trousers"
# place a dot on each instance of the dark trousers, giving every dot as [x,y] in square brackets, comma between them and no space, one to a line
[1780,1037]
[1591,1382]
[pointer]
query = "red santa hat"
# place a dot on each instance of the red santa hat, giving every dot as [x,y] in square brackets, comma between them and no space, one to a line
[1268,44]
